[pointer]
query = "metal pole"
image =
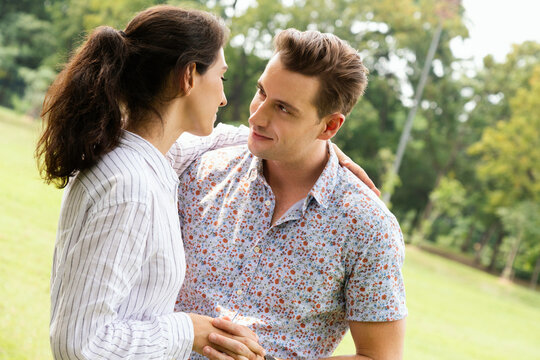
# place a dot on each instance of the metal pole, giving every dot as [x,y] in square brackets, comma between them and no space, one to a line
[405,134]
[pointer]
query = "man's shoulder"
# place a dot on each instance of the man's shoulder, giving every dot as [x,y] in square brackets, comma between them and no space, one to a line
[353,199]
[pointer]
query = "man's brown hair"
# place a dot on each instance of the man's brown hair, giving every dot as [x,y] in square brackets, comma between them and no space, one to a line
[342,75]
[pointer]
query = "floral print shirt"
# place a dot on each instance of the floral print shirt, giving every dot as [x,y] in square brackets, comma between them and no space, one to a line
[334,257]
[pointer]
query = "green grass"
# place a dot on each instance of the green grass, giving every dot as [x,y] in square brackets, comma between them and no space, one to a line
[455,312]
[28,215]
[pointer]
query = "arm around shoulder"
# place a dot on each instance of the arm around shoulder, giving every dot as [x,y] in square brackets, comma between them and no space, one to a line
[189,148]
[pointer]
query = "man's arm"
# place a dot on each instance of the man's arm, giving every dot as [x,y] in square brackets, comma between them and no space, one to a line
[376,340]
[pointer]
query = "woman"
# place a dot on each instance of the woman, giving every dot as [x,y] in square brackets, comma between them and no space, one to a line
[111,118]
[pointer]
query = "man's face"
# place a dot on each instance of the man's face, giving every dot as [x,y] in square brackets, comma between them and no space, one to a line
[283,118]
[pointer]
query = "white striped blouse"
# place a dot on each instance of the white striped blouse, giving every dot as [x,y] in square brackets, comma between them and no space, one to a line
[119,260]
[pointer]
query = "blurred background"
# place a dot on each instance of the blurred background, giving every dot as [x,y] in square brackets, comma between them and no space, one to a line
[449,129]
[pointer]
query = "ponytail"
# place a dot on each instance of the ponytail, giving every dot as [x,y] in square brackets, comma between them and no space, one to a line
[81,112]
[137,69]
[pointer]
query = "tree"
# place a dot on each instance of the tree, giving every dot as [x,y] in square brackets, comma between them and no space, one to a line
[523,224]
[25,43]
[509,162]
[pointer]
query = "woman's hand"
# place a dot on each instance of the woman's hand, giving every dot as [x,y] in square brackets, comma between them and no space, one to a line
[220,339]
[346,161]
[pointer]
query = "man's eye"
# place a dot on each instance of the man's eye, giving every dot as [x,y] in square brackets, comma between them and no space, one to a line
[283,108]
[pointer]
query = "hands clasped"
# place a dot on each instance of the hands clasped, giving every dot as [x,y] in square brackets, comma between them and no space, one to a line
[221,339]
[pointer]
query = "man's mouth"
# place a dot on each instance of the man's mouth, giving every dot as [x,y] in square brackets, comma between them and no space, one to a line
[258,136]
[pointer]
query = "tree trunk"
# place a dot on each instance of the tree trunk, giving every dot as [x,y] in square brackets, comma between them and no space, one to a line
[467,243]
[508,268]
[483,241]
[534,279]
[496,247]
[236,96]
[429,206]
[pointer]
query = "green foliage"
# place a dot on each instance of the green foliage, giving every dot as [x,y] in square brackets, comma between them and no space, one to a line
[25,43]
[448,197]
[500,166]
[37,82]
[510,152]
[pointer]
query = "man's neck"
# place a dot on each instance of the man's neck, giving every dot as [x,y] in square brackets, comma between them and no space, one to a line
[292,181]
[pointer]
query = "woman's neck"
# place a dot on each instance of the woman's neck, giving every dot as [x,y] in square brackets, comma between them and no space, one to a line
[160,132]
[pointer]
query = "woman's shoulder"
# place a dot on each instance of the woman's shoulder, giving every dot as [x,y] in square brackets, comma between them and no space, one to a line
[120,176]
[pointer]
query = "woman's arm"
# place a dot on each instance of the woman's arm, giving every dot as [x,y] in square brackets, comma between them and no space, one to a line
[189,148]
[97,275]
[360,173]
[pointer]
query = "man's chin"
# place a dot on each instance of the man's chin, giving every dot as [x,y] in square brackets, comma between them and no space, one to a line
[254,149]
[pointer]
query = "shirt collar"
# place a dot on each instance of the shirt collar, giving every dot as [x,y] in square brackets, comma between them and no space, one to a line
[255,168]
[154,158]
[324,186]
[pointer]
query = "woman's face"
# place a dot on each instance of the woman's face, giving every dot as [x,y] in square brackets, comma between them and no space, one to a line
[206,97]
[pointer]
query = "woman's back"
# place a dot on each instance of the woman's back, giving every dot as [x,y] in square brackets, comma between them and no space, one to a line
[119,225]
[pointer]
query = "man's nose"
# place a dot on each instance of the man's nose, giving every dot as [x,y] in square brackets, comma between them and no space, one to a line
[258,114]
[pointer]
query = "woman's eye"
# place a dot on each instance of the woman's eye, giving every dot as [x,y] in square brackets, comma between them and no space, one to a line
[283,108]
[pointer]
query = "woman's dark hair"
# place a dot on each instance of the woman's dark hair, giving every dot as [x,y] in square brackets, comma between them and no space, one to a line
[118,79]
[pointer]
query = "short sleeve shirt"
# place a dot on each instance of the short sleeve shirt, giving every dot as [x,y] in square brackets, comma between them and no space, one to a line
[333,258]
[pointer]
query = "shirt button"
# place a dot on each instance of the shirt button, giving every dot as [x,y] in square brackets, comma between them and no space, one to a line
[267,203]
[238,292]
[257,249]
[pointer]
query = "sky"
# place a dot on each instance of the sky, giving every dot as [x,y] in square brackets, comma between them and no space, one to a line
[494,25]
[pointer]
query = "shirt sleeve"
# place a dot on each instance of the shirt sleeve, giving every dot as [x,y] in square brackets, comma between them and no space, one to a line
[189,147]
[99,274]
[375,290]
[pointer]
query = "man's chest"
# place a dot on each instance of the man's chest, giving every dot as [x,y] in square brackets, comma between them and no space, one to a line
[242,263]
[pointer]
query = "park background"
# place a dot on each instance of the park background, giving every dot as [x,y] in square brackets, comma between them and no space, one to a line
[467,193]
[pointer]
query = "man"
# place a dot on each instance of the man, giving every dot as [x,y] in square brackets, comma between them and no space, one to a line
[280,237]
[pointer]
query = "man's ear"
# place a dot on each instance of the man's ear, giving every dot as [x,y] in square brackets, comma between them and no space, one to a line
[187,80]
[332,123]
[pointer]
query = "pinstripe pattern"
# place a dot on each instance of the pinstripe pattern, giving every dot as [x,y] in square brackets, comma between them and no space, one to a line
[118,262]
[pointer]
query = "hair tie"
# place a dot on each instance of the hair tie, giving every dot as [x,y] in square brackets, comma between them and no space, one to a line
[122,34]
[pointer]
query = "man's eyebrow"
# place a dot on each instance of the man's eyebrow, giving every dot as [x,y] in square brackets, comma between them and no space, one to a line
[291,107]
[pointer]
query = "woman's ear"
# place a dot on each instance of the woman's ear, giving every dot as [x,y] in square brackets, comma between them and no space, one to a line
[332,123]
[187,80]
